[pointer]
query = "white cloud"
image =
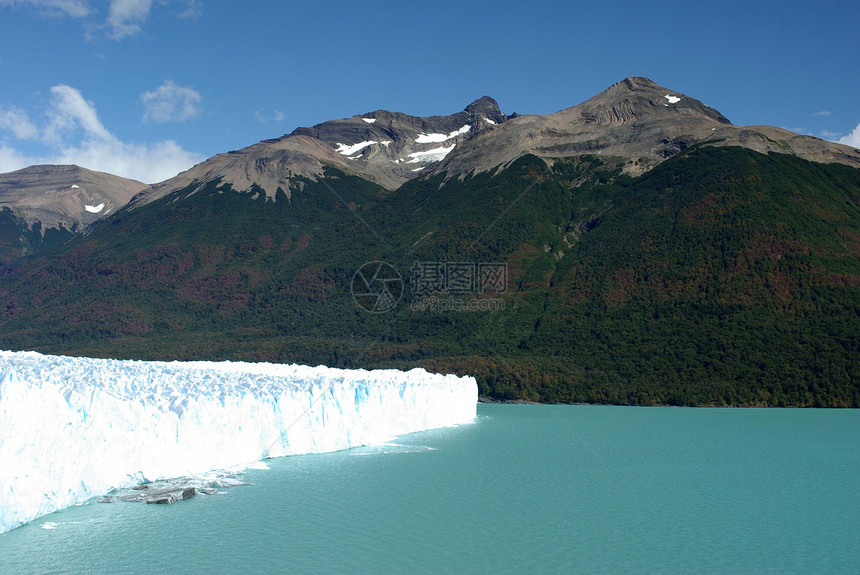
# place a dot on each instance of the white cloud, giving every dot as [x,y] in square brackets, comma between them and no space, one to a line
[149,163]
[69,111]
[852,139]
[16,121]
[11,159]
[126,16]
[71,8]
[75,135]
[822,113]
[171,103]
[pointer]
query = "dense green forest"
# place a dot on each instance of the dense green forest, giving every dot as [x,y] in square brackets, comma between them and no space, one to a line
[720,277]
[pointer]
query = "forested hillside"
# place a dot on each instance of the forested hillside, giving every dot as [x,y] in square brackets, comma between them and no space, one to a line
[720,277]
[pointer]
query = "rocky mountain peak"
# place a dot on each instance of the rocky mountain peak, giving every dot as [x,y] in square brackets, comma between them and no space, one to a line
[634,83]
[488,108]
[640,99]
[64,195]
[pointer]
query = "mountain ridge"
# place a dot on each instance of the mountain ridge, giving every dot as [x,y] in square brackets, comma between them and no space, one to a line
[635,119]
[640,121]
[43,205]
[386,147]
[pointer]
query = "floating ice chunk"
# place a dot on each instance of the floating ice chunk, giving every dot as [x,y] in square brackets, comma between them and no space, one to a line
[76,428]
[672,99]
[95,209]
[434,155]
[436,138]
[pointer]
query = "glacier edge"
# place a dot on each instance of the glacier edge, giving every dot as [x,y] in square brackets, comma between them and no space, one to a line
[75,428]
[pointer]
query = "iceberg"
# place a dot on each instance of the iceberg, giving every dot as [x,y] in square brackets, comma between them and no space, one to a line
[75,428]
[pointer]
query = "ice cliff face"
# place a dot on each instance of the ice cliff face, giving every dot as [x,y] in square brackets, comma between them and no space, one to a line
[75,428]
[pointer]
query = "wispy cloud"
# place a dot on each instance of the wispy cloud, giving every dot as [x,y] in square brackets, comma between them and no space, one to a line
[822,113]
[69,112]
[125,18]
[75,135]
[171,102]
[264,117]
[70,8]
[192,10]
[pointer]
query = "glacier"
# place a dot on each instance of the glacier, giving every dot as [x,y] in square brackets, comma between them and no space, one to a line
[75,428]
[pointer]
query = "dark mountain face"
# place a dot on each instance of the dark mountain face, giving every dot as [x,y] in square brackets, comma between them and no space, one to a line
[718,276]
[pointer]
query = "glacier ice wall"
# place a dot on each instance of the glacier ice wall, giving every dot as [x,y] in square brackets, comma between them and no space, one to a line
[75,428]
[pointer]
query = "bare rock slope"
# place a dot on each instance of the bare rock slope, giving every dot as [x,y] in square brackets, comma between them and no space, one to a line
[64,196]
[639,121]
[385,147]
[635,119]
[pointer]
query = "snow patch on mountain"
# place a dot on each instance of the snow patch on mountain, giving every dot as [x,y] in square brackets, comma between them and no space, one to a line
[436,138]
[434,155]
[349,150]
[95,209]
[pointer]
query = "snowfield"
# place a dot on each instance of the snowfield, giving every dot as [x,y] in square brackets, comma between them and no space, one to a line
[75,428]
[436,138]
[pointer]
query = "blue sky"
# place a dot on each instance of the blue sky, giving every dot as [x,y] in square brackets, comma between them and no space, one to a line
[146,88]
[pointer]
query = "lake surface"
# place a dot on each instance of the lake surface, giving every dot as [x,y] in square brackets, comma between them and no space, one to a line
[526,488]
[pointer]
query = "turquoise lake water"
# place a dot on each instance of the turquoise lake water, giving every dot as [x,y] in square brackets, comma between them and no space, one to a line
[525,489]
